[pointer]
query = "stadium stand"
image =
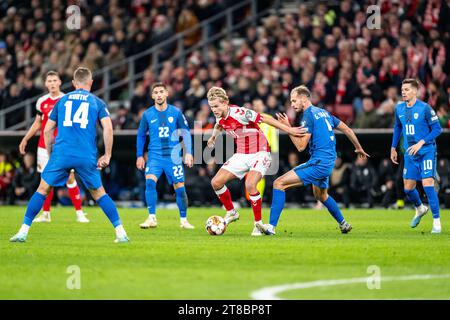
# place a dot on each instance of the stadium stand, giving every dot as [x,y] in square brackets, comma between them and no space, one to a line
[327,47]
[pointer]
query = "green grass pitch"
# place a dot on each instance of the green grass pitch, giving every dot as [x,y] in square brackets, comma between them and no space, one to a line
[171,263]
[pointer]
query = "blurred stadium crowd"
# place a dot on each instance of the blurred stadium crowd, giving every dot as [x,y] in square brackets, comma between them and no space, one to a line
[352,71]
[365,183]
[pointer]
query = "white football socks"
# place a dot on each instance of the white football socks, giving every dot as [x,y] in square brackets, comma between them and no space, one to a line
[120,231]
[24,229]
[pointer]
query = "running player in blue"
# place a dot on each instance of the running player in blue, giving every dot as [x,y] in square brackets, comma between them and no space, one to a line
[318,127]
[164,124]
[76,115]
[419,125]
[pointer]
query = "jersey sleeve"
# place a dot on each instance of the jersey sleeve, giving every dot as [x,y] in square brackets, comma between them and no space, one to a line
[54,113]
[433,121]
[38,106]
[141,136]
[182,122]
[246,116]
[185,132]
[335,121]
[102,109]
[430,115]
[397,130]
[308,123]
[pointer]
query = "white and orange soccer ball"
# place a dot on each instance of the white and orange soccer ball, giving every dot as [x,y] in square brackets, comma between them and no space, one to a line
[216,225]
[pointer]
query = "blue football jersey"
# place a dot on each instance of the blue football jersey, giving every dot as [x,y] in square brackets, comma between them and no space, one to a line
[320,124]
[163,130]
[76,115]
[416,122]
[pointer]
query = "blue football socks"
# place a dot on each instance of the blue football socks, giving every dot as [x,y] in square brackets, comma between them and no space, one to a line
[278,200]
[34,206]
[182,201]
[333,208]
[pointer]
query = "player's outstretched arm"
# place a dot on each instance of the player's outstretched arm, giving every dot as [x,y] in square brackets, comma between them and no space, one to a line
[216,131]
[297,132]
[103,161]
[35,127]
[352,137]
[48,135]
[300,142]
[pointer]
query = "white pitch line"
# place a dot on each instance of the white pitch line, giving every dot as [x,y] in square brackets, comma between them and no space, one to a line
[270,293]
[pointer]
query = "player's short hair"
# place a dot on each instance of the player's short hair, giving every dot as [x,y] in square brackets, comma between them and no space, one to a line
[302,90]
[217,92]
[159,84]
[412,81]
[82,74]
[51,73]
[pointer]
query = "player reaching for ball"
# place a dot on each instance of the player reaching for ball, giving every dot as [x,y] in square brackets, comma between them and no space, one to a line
[319,125]
[252,156]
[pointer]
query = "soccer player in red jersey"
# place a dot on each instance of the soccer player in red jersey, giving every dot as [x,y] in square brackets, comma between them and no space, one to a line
[252,156]
[44,107]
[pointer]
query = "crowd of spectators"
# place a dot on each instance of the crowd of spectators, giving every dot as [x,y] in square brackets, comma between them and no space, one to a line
[352,70]
[34,38]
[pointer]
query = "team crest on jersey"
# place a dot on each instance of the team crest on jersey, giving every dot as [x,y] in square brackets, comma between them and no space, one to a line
[248,115]
[170,119]
[416,116]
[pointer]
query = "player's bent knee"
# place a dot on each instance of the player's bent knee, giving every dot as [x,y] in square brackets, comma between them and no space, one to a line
[321,196]
[409,184]
[279,184]
[151,177]
[428,182]
[251,187]
[97,193]
[44,188]
[71,180]
[217,183]
[178,185]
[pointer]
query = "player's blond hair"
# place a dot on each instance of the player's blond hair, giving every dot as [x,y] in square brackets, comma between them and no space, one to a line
[302,90]
[82,75]
[217,92]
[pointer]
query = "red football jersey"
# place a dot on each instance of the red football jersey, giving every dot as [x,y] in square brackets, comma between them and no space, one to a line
[44,106]
[242,125]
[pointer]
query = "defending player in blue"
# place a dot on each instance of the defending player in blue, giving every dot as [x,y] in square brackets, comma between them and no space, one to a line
[419,124]
[164,124]
[318,127]
[76,115]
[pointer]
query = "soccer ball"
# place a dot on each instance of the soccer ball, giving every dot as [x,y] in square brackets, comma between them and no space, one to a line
[216,225]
